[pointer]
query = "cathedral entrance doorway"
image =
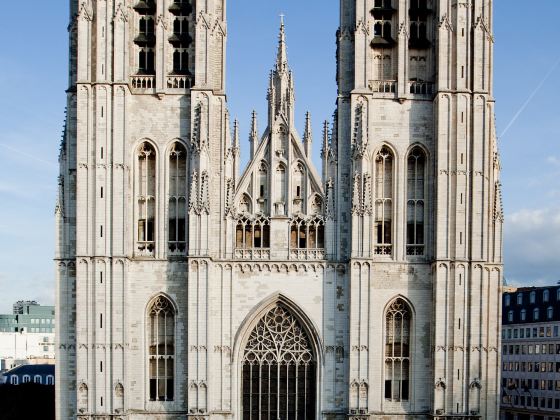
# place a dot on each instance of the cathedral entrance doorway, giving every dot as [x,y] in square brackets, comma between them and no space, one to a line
[279,370]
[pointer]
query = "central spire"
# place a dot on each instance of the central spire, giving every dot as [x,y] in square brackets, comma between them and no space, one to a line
[281,90]
[282,56]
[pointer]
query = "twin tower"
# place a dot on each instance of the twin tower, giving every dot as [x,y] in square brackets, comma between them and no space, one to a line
[190,289]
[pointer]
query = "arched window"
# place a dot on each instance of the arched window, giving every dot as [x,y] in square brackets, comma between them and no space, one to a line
[550,312]
[523,315]
[416,191]
[545,295]
[161,349]
[533,297]
[298,185]
[536,314]
[145,37]
[397,351]
[384,202]
[50,380]
[37,379]
[307,233]
[279,377]
[177,199]
[520,298]
[146,196]
[281,184]
[510,316]
[507,300]
[26,379]
[14,380]
[251,234]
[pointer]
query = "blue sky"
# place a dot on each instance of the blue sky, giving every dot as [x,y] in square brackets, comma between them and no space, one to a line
[33,77]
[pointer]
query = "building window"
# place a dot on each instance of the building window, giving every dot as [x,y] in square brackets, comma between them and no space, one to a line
[37,379]
[550,312]
[252,233]
[177,244]
[507,300]
[307,233]
[510,316]
[397,351]
[384,202]
[146,195]
[533,297]
[558,295]
[146,39]
[418,14]
[180,39]
[523,315]
[279,369]
[50,380]
[520,298]
[536,314]
[416,191]
[545,295]
[162,349]
[14,380]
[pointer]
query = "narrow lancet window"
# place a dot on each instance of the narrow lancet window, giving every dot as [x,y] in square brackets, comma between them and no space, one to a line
[146,192]
[384,202]
[177,199]
[397,351]
[145,39]
[161,350]
[180,39]
[415,210]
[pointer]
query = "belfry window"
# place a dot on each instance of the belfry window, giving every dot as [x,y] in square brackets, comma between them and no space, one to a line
[416,191]
[252,234]
[177,199]
[307,233]
[180,39]
[145,38]
[418,14]
[146,192]
[384,202]
[279,374]
[382,24]
[161,350]
[397,351]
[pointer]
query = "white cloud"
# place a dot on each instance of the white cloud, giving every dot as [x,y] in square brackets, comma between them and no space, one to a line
[553,160]
[532,247]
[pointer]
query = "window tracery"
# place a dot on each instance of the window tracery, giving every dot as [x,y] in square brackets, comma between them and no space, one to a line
[161,350]
[279,369]
[416,191]
[307,233]
[177,242]
[397,351]
[252,233]
[146,192]
[383,202]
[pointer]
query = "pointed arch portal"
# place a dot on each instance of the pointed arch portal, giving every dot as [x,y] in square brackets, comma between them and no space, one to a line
[279,369]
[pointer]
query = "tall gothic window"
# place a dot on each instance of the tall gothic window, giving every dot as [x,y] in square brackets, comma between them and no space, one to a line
[263,187]
[177,199]
[180,39]
[279,376]
[145,38]
[146,192]
[397,351]
[161,350]
[415,209]
[384,202]
[418,15]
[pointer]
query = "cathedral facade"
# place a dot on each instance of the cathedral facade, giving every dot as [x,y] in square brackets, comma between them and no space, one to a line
[189,288]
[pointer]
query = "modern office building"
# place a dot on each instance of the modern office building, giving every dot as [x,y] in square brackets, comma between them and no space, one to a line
[29,317]
[531,354]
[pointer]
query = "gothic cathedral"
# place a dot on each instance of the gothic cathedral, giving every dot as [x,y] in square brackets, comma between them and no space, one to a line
[190,289]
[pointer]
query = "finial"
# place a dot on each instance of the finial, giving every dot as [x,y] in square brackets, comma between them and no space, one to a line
[325,150]
[254,136]
[308,134]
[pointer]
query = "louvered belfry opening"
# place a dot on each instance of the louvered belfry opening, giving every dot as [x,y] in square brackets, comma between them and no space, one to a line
[279,377]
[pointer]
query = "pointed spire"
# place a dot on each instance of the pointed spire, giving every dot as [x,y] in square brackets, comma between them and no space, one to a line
[254,136]
[282,57]
[326,145]
[236,134]
[308,135]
